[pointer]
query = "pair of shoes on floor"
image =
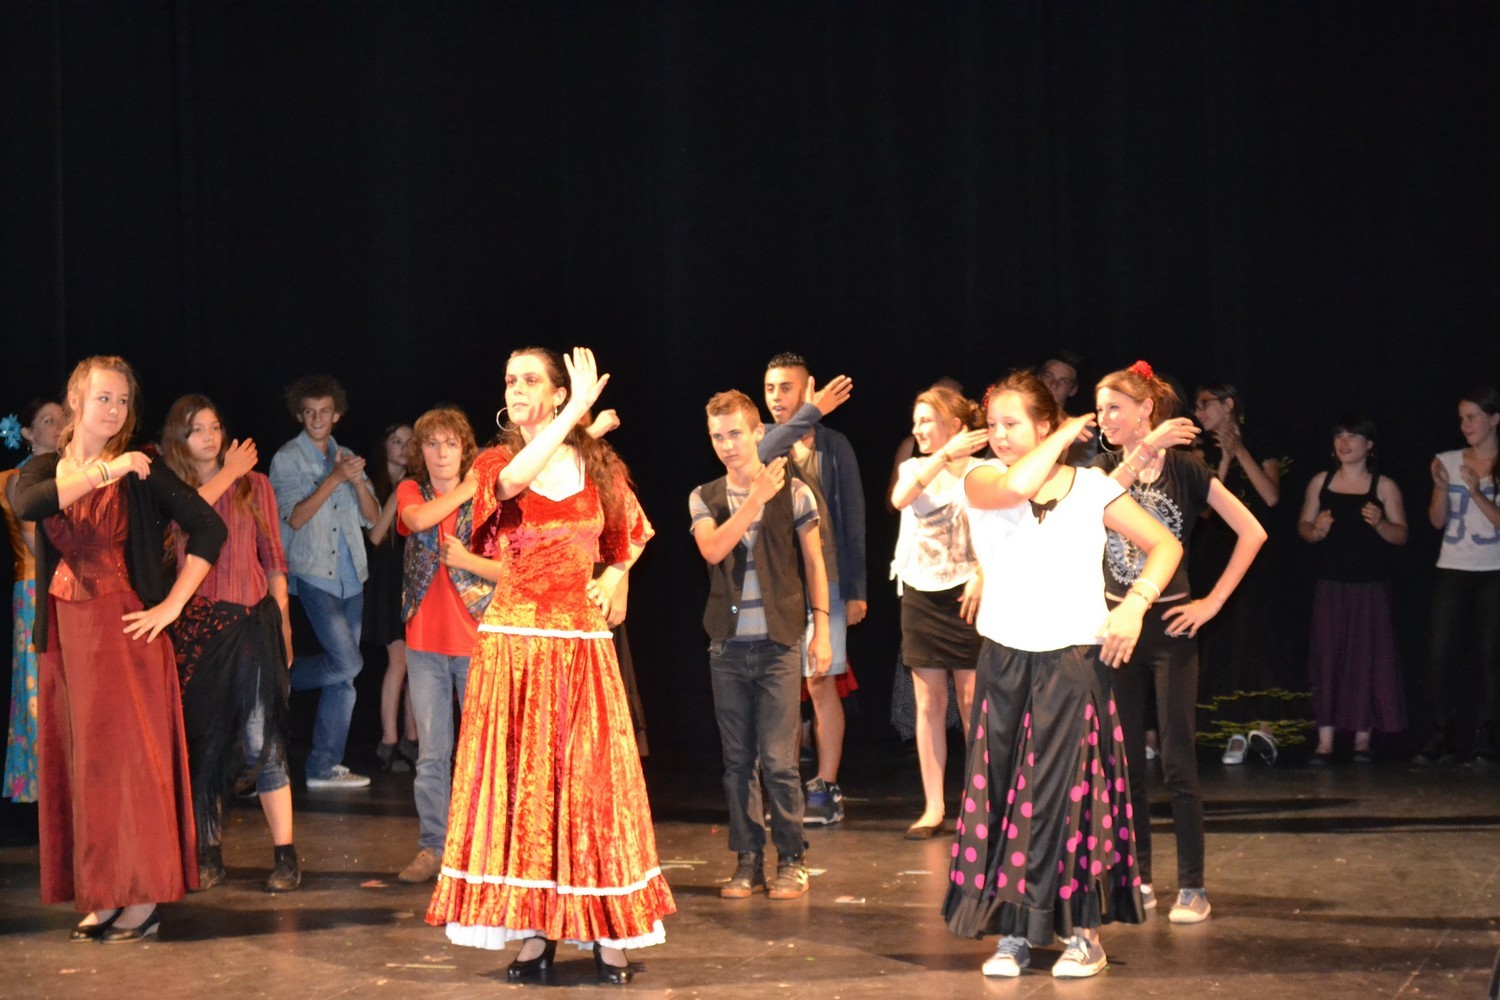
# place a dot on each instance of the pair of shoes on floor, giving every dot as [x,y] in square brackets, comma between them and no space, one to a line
[791,878]
[339,777]
[533,966]
[129,935]
[1011,955]
[749,875]
[825,803]
[1191,907]
[1080,959]
[422,868]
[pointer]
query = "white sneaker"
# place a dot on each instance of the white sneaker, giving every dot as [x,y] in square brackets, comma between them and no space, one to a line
[1148,898]
[1080,959]
[1011,955]
[339,777]
[1191,907]
[1234,750]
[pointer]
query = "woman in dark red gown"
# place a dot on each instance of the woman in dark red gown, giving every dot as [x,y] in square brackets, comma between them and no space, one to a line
[116,820]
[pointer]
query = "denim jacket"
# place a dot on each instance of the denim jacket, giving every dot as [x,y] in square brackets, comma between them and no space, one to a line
[312,551]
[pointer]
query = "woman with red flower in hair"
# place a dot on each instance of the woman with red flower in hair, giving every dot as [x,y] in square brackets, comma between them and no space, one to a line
[1136,416]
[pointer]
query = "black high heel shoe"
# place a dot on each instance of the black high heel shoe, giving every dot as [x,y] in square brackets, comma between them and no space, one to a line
[533,966]
[615,975]
[129,935]
[93,932]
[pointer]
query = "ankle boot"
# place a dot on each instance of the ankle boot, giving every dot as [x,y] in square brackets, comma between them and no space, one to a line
[210,867]
[286,876]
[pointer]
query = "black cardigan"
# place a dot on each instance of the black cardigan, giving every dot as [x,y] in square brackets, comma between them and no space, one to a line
[149,505]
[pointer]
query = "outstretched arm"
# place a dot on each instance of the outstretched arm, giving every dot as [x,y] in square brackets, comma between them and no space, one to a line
[989,488]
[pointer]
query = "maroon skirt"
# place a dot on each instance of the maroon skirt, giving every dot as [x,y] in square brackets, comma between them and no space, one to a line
[115,803]
[1356,675]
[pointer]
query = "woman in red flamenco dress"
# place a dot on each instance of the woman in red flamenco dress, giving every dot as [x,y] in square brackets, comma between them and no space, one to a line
[549,831]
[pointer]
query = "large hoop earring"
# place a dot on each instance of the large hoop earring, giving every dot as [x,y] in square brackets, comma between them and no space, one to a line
[499,424]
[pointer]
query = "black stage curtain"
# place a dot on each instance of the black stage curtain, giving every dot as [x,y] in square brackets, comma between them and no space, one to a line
[1299,197]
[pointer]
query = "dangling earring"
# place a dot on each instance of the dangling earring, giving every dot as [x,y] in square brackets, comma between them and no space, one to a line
[503,426]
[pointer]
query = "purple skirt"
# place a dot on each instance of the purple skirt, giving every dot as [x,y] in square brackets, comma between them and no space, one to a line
[1352,660]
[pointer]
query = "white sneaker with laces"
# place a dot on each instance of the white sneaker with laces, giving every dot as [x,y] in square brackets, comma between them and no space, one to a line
[339,777]
[1011,955]
[1234,750]
[1080,959]
[1148,897]
[1191,907]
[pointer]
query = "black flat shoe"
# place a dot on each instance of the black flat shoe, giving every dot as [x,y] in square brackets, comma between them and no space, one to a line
[615,975]
[129,935]
[533,966]
[1321,759]
[918,831]
[93,932]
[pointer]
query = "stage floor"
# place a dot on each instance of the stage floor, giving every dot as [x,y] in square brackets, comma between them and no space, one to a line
[1380,880]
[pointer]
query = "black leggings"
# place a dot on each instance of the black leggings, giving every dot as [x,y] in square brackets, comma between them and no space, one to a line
[1171,665]
[1463,658]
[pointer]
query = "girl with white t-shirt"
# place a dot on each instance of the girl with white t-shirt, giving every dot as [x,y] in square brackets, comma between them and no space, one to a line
[1466,592]
[1045,843]
[938,580]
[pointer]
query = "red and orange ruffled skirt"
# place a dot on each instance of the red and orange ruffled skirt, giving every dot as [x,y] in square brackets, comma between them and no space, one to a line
[549,829]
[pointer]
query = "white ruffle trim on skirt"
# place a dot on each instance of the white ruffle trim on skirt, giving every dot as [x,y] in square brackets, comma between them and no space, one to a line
[496,938]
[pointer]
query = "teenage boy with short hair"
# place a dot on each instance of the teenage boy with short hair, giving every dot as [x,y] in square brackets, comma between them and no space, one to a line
[824,459]
[751,525]
[326,501]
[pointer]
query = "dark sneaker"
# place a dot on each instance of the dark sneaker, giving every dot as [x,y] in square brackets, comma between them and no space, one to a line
[749,875]
[1437,751]
[791,878]
[825,804]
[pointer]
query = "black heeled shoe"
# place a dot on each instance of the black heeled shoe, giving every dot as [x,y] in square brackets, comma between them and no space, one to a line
[533,966]
[615,975]
[93,932]
[130,935]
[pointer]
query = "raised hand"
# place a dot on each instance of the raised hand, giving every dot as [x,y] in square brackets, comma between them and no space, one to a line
[1078,428]
[606,421]
[1440,473]
[966,443]
[1172,433]
[241,457]
[584,377]
[349,467]
[1469,476]
[768,481]
[830,397]
[132,461]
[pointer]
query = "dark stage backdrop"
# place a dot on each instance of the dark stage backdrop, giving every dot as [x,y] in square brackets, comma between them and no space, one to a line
[1300,197]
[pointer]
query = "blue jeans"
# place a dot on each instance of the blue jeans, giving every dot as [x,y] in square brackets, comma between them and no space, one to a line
[336,622]
[270,775]
[432,680]
[758,704]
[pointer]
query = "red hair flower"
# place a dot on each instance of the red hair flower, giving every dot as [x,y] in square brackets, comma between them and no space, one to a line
[1142,369]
